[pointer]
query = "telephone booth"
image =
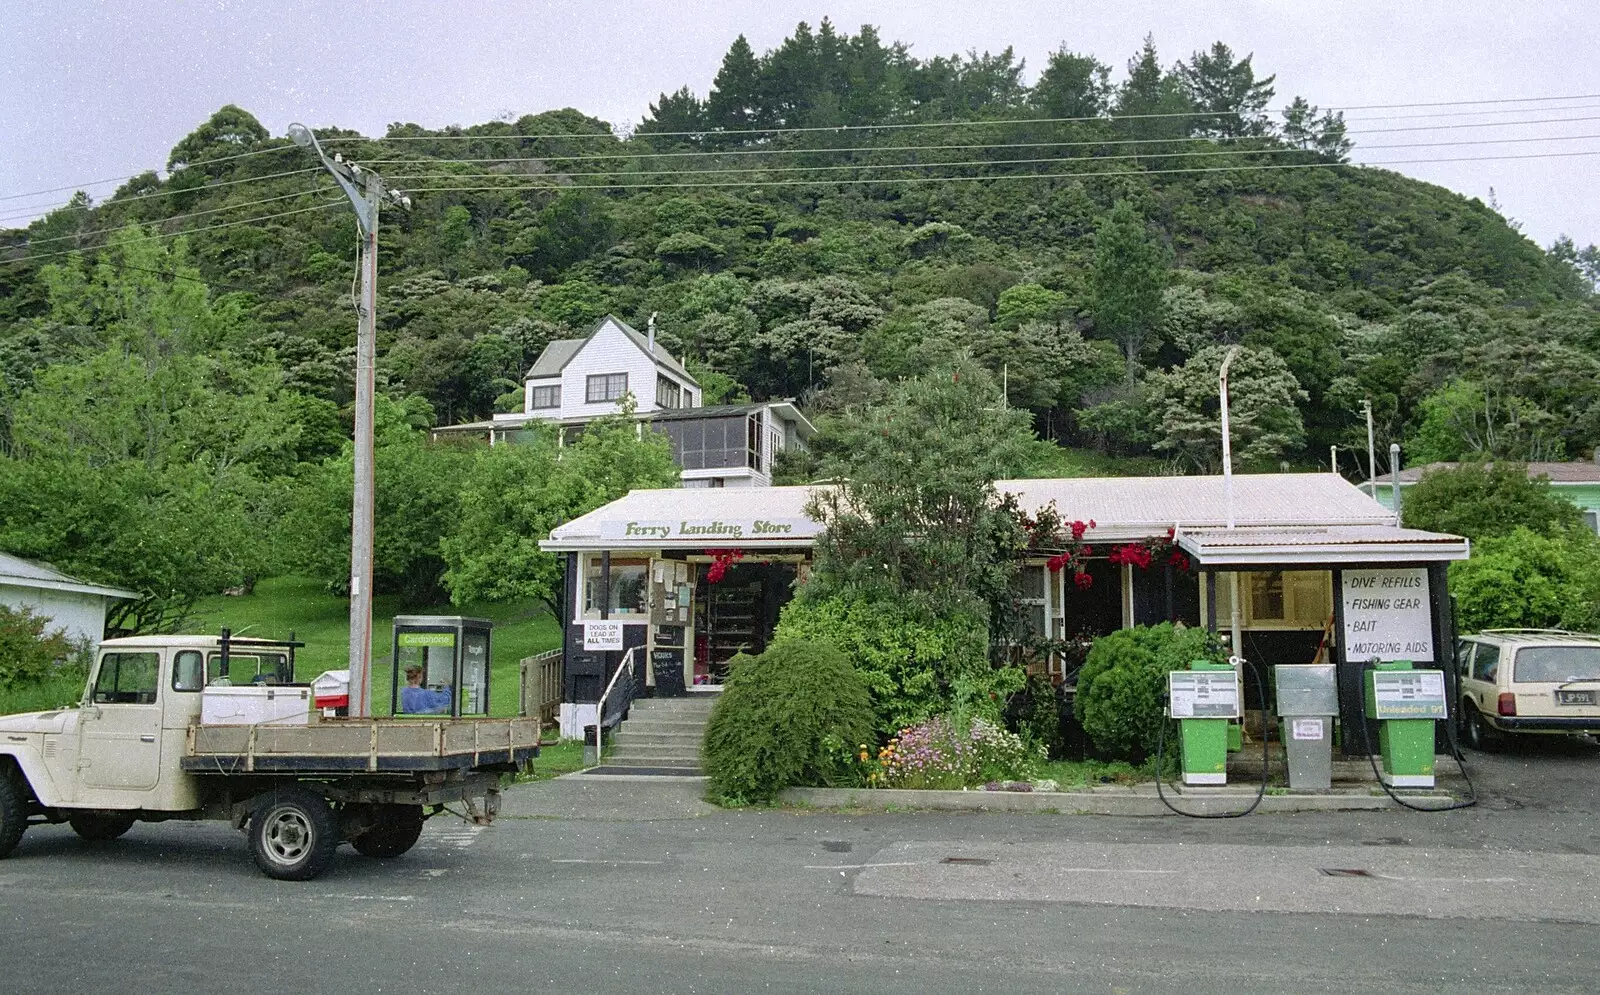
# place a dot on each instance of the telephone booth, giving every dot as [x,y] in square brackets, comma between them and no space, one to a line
[441,665]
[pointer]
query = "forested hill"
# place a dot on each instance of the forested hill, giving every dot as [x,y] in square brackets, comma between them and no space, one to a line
[834,211]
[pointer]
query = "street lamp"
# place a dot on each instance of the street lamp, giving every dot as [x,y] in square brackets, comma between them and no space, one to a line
[365,190]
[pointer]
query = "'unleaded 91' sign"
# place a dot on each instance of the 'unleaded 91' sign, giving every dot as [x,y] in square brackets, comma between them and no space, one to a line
[1387,614]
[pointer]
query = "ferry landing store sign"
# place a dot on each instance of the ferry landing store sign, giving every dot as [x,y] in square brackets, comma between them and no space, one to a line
[711,531]
[1387,614]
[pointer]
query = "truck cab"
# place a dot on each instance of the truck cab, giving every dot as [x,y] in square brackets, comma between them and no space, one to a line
[118,750]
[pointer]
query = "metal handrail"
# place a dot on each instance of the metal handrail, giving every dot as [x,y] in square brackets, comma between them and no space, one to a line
[626,666]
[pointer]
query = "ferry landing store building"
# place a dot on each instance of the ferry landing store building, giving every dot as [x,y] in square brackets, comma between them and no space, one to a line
[691,577]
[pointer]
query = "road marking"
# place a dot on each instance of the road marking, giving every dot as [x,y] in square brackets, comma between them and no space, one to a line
[372,898]
[459,839]
[858,867]
[580,860]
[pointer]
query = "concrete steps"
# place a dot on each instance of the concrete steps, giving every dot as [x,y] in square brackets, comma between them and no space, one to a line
[662,735]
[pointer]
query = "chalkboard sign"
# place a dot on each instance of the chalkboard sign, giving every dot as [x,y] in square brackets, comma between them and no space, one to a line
[667,665]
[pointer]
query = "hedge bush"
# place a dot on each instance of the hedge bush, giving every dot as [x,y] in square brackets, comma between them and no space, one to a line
[1122,688]
[914,663]
[29,652]
[1526,580]
[780,718]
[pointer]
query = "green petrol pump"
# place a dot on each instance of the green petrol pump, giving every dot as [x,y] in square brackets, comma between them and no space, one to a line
[1406,703]
[1204,699]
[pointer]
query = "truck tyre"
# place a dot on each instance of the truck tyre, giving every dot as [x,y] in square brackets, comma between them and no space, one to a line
[100,827]
[395,830]
[13,811]
[293,834]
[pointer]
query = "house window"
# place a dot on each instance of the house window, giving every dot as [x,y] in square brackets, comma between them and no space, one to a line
[628,587]
[547,397]
[668,393]
[606,387]
[753,442]
[1592,518]
[1266,596]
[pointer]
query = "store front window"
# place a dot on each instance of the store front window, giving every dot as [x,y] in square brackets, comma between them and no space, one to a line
[629,588]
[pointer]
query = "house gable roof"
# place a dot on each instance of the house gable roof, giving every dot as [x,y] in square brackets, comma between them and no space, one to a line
[559,353]
[17,572]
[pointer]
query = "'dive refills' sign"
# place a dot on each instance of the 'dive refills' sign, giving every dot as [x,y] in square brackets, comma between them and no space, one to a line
[1387,614]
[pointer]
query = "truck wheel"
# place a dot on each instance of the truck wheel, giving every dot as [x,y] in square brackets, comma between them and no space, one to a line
[100,826]
[13,812]
[395,830]
[293,834]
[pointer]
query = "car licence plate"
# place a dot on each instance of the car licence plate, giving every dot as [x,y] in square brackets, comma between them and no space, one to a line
[1574,697]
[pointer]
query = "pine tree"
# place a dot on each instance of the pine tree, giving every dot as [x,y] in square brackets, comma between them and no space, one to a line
[1130,274]
[1228,89]
[735,100]
[1072,85]
[1150,103]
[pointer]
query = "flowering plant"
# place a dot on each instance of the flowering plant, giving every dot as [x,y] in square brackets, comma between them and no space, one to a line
[1162,550]
[720,561]
[1047,529]
[944,752]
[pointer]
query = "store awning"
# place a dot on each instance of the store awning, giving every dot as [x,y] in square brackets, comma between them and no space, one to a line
[1314,547]
[693,518]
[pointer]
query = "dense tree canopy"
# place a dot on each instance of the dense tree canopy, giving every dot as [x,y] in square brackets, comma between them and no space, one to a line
[1052,229]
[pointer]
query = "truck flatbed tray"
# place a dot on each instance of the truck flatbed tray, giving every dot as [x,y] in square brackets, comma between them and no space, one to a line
[344,746]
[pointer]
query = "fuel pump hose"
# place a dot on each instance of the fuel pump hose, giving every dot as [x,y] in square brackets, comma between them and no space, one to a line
[1266,760]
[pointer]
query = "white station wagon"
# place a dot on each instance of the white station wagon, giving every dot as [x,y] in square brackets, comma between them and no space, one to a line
[1516,681]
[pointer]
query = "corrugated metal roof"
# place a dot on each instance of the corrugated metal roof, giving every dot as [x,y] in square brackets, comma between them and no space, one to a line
[16,571]
[1574,472]
[1347,544]
[1144,506]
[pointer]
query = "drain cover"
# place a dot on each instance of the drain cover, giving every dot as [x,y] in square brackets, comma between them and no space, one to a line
[1344,872]
[1387,841]
[836,846]
[973,861]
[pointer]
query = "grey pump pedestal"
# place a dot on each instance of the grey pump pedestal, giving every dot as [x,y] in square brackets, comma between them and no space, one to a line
[1308,699]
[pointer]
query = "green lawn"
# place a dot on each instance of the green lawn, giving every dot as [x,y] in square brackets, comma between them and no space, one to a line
[1051,460]
[281,605]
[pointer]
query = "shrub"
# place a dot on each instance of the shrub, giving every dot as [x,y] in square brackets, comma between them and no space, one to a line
[780,717]
[28,653]
[1528,580]
[1482,500]
[914,665]
[1123,685]
[946,753]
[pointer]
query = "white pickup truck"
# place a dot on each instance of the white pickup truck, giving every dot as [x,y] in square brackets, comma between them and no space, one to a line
[136,749]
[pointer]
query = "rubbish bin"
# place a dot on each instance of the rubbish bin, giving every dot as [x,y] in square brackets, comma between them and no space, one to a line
[1308,699]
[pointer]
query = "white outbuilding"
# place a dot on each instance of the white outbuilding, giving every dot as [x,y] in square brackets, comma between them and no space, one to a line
[71,604]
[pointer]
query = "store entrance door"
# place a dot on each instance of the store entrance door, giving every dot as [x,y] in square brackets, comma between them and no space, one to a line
[738,614]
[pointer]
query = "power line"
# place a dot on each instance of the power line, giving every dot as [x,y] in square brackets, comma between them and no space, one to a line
[187,231]
[860,182]
[996,176]
[118,179]
[992,162]
[712,153]
[180,217]
[712,132]
[164,193]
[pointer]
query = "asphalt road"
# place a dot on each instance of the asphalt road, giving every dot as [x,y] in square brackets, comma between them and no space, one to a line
[627,887]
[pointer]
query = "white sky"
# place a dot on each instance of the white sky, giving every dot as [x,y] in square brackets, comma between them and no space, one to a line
[96,90]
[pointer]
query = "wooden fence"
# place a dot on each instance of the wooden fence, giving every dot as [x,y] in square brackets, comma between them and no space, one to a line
[541,687]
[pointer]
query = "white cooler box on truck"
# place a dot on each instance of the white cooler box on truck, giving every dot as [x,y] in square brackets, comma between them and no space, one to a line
[255,704]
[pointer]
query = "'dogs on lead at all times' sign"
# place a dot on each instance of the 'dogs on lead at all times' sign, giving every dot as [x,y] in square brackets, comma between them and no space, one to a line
[602,635]
[1388,614]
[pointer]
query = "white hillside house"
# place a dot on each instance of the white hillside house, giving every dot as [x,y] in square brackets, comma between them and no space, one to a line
[579,379]
[575,381]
